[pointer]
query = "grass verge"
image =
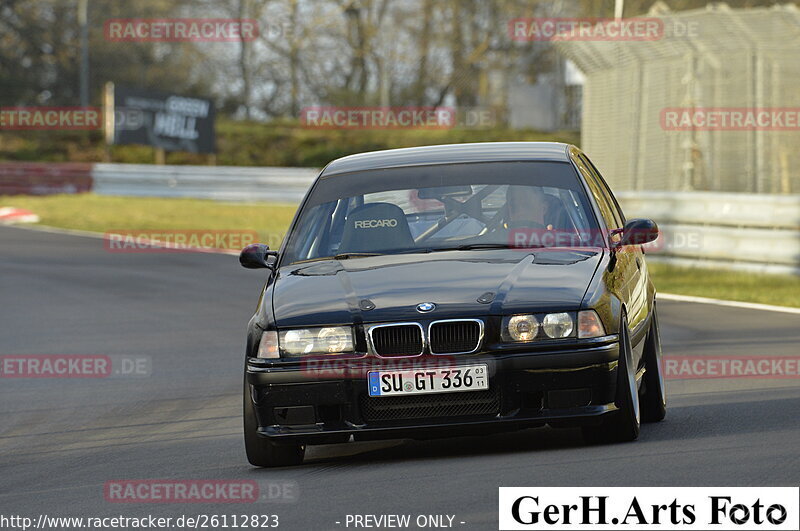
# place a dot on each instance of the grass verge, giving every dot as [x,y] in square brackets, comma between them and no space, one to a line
[101,214]
[780,290]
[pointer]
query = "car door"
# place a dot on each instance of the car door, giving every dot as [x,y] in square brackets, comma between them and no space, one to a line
[638,304]
[624,273]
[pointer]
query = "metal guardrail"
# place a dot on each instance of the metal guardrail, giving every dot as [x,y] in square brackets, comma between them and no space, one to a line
[734,231]
[229,183]
[711,208]
[728,230]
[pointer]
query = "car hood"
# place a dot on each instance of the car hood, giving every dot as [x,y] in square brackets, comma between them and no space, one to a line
[389,287]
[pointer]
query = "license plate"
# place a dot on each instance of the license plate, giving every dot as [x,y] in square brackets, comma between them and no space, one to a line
[428,380]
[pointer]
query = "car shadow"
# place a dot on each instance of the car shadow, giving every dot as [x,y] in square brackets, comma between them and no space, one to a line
[683,422]
[538,439]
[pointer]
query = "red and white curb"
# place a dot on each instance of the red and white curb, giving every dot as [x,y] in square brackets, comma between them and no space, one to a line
[17,215]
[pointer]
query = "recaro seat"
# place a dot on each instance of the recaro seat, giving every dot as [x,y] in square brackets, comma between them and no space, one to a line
[376,227]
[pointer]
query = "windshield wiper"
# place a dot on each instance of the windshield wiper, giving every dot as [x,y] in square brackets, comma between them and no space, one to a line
[477,246]
[345,256]
[465,247]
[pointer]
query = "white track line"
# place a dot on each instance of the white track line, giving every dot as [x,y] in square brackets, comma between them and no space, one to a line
[662,296]
[57,230]
[732,304]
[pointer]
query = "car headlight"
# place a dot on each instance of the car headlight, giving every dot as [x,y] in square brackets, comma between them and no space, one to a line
[590,325]
[558,325]
[323,340]
[520,328]
[335,339]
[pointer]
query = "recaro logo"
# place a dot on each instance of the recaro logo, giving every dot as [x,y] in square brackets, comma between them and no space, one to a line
[375,223]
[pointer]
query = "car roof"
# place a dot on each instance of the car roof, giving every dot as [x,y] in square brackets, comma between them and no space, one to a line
[450,154]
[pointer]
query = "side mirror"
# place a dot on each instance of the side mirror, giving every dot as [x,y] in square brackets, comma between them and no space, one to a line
[254,256]
[638,231]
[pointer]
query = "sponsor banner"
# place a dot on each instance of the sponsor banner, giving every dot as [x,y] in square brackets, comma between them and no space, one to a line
[177,240]
[50,118]
[74,366]
[740,367]
[200,491]
[730,119]
[379,117]
[585,29]
[650,508]
[167,121]
[180,30]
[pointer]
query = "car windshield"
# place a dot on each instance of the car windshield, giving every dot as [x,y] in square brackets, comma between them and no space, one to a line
[442,207]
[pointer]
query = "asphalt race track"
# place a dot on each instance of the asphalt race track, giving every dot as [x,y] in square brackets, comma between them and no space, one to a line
[62,439]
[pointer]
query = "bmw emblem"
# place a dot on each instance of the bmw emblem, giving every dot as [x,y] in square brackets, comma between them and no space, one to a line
[425,307]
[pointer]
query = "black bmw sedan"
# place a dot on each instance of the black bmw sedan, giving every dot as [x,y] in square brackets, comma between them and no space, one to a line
[452,289]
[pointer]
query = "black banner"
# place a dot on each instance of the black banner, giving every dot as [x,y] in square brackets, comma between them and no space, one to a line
[166,121]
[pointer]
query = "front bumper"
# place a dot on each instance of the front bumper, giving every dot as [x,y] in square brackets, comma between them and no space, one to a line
[318,402]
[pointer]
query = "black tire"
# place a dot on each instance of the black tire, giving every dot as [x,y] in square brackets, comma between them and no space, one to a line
[622,425]
[654,392]
[263,452]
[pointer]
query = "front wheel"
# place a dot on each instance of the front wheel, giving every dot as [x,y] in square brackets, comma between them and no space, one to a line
[654,395]
[263,452]
[623,424]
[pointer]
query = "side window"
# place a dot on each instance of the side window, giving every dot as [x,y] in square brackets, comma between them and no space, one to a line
[307,245]
[607,209]
[605,187]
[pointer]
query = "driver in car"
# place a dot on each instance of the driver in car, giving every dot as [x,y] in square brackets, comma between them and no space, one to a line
[528,208]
